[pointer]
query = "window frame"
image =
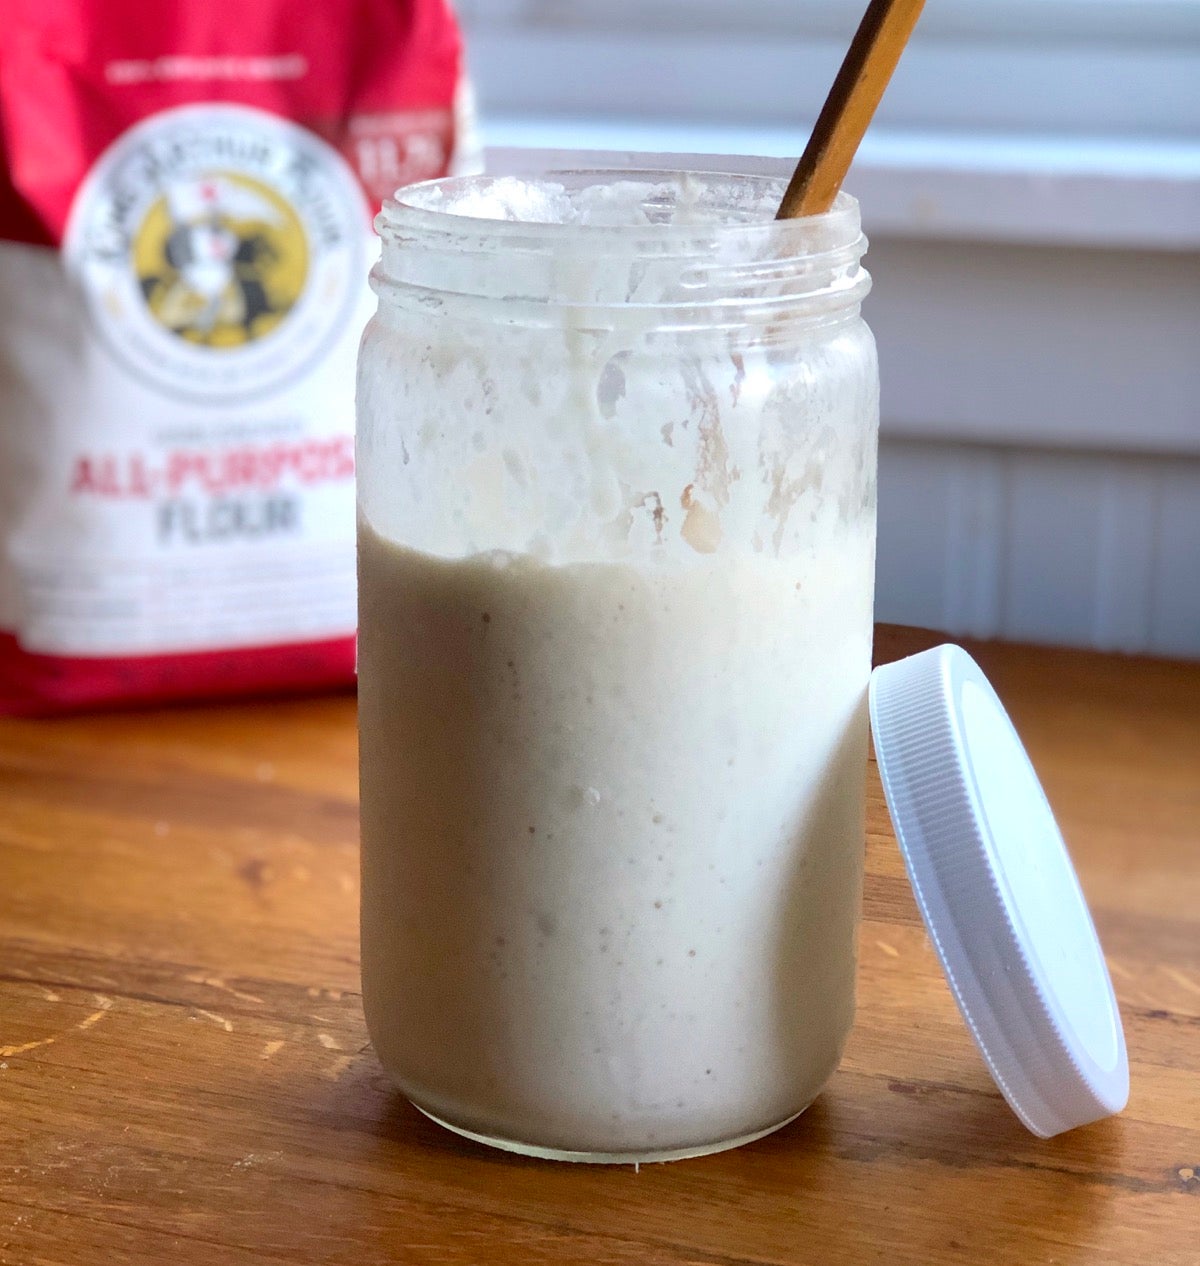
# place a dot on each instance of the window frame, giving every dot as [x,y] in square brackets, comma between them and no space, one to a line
[1078,67]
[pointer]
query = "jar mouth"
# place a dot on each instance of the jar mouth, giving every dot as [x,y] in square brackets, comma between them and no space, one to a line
[627,238]
[678,209]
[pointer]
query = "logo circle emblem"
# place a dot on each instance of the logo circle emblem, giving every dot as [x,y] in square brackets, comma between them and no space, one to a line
[220,250]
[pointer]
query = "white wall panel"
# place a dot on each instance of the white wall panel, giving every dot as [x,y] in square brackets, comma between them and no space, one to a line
[1070,548]
[1175,605]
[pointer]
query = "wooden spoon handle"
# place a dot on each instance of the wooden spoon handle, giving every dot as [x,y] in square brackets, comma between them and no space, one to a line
[848,109]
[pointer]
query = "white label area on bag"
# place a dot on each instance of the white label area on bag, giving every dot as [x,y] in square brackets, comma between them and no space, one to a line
[177,454]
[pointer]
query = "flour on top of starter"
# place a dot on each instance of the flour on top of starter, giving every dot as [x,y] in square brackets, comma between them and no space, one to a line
[612,712]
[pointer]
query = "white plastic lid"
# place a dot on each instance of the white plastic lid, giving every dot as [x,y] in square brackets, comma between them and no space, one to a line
[997,891]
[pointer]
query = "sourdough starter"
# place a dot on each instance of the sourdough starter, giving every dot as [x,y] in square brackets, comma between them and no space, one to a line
[612,786]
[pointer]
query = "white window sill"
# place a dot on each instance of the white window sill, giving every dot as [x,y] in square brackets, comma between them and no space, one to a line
[1040,460]
[1004,315]
[1071,191]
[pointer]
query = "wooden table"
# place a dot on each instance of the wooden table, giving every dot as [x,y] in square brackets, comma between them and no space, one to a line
[185,1075]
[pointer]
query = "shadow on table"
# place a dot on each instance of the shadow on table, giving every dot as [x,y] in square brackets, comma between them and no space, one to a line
[954,1179]
[951,1178]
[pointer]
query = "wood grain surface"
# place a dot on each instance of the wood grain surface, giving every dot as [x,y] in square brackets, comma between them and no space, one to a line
[185,1076]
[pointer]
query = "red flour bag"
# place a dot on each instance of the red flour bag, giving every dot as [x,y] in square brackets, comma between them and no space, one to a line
[186,192]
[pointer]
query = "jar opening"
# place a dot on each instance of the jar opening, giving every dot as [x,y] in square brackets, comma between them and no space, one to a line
[616,204]
[618,238]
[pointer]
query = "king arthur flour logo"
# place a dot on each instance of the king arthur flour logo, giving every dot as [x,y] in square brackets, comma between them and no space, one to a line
[220,250]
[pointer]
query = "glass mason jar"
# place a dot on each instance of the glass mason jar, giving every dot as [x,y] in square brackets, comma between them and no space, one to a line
[616,477]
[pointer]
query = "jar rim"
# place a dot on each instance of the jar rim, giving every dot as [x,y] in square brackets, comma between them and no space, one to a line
[707,249]
[414,209]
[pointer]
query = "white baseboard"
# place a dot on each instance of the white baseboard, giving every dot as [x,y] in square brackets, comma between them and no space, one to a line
[1097,550]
